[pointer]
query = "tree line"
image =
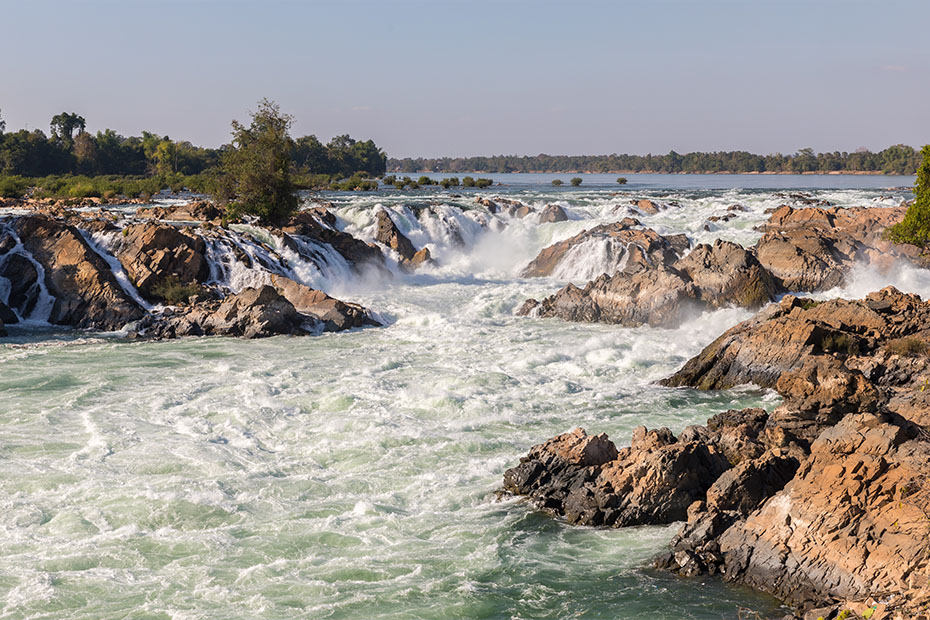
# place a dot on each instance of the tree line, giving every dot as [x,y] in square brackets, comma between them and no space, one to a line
[68,149]
[897,159]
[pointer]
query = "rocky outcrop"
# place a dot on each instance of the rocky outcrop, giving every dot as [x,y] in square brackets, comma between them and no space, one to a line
[807,249]
[152,253]
[86,294]
[662,295]
[196,211]
[388,234]
[334,315]
[24,284]
[646,206]
[552,214]
[320,225]
[252,313]
[824,503]
[586,480]
[643,247]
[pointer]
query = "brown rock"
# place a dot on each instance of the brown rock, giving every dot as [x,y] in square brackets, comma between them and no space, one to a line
[335,315]
[153,252]
[552,214]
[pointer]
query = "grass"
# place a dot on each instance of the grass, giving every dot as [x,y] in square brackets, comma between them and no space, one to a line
[172,291]
[909,346]
[839,343]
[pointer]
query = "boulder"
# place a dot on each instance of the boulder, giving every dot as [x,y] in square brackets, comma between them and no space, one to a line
[152,253]
[86,292]
[24,283]
[318,224]
[726,274]
[646,206]
[589,482]
[641,247]
[552,214]
[334,315]
[252,313]
[388,234]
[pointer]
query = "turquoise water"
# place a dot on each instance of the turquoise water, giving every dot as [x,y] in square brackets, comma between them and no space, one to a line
[353,475]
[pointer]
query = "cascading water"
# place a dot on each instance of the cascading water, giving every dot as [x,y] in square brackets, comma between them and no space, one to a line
[353,475]
[38,308]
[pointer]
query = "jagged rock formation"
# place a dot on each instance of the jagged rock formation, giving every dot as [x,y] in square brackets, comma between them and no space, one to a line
[388,234]
[824,503]
[805,249]
[153,252]
[86,294]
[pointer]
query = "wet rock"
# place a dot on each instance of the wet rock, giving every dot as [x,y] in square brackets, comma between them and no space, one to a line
[86,293]
[7,315]
[316,224]
[24,283]
[725,274]
[152,253]
[643,246]
[646,206]
[552,214]
[388,234]
[589,482]
[252,313]
[333,314]
[195,211]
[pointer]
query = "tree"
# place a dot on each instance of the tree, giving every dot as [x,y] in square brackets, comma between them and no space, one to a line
[621,180]
[556,182]
[576,181]
[258,166]
[64,125]
[915,227]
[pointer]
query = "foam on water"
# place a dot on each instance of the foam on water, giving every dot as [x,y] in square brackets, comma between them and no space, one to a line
[353,475]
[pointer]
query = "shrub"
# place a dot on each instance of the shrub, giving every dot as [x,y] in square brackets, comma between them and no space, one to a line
[556,182]
[909,346]
[807,304]
[13,187]
[468,182]
[576,181]
[915,227]
[482,183]
[172,291]
[621,180]
[389,180]
[839,343]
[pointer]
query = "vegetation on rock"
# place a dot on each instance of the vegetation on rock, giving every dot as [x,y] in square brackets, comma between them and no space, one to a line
[915,227]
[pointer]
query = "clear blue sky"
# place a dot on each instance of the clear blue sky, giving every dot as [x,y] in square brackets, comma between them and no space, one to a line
[478,78]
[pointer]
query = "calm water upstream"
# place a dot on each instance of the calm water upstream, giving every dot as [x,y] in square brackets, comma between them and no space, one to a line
[353,475]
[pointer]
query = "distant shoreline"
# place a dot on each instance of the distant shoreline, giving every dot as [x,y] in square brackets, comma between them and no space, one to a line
[754,173]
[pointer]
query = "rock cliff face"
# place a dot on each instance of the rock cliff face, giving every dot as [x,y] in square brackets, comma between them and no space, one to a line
[152,252]
[388,234]
[86,293]
[824,503]
[806,249]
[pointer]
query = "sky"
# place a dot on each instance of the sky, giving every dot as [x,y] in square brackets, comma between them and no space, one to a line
[461,78]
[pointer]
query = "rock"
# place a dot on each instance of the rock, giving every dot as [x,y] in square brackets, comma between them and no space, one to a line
[152,253]
[851,524]
[650,292]
[646,206]
[7,315]
[743,488]
[552,214]
[319,225]
[643,247]
[589,482]
[196,211]
[86,293]
[725,274]
[657,297]
[335,315]
[24,283]
[390,235]
[781,338]
[252,313]
[421,257]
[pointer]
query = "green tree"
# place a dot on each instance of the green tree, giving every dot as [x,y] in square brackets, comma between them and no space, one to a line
[64,125]
[258,166]
[621,180]
[576,181]
[915,227]
[556,182]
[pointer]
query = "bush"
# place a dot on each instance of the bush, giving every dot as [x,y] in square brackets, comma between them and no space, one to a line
[482,183]
[839,343]
[576,181]
[621,180]
[907,347]
[389,180]
[172,291]
[13,187]
[915,227]
[556,182]
[468,182]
